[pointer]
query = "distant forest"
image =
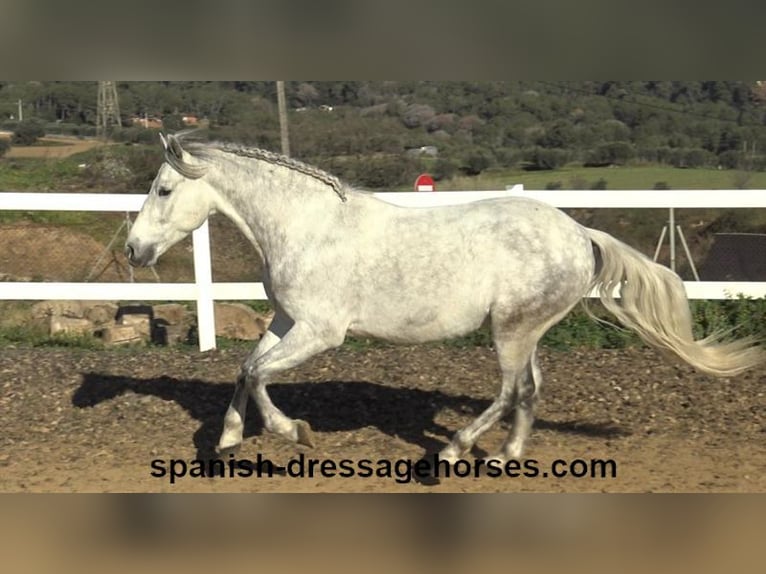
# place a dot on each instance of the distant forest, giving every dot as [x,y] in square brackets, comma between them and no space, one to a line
[373,131]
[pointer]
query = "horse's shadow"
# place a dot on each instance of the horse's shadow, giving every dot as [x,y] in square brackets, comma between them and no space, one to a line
[331,406]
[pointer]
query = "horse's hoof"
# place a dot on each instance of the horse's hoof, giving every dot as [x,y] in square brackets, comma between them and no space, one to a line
[226,451]
[305,436]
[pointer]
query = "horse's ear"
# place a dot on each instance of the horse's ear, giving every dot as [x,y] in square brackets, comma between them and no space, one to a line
[174,147]
[164,141]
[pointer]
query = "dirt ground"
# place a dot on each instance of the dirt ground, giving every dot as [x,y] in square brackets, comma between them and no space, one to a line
[94,420]
[62,147]
[53,253]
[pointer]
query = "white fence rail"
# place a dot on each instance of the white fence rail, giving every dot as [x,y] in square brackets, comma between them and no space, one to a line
[204,291]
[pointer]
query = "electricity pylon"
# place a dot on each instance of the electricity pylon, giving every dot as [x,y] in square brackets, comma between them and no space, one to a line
[108,108]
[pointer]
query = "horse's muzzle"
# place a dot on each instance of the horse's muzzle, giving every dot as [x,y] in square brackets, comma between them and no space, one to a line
[129,253]
[138,257]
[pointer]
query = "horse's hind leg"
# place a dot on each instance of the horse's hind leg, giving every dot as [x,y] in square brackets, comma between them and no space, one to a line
[527,392]
[524,414]
[515,357]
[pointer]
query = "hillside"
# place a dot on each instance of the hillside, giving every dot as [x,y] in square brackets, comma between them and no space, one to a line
[381,134]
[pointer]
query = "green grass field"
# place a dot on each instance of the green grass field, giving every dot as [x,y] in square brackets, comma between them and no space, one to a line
[27,174]
[64,174]
[632,177]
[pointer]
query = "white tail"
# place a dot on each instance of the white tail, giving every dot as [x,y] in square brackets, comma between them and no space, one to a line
[653,303]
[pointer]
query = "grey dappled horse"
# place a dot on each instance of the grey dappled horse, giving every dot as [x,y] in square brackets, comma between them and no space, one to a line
[338,260]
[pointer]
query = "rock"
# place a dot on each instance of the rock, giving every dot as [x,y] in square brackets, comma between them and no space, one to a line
[171,314]
[264,320]
[140,323]
[57,309]
[170,335]
[171,324]
[238,321]
[100,313]
[137,316]
[121,335]
[69,325]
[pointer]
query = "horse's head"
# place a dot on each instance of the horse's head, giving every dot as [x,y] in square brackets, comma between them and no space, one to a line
[179,202]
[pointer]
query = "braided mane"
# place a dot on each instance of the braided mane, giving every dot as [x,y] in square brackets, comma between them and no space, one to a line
[288,162]
[199,150]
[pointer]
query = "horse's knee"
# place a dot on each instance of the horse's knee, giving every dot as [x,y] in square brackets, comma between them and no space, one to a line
[247,370]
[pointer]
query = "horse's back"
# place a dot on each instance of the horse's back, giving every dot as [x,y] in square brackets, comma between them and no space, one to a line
[518,236]
[433,272]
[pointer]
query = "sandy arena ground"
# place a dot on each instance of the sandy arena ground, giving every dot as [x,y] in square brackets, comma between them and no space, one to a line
[93,421]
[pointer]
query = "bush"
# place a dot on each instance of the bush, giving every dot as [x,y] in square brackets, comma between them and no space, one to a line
[741,317]
[578,329]
[476,162]
[444,169]
[691,157]
[173,122]
[378,172]
[543,159]
[698,157]
[143,164]
[578,182]
[730,159]
[612,153]
[136,135]
[66,128]
[28,132]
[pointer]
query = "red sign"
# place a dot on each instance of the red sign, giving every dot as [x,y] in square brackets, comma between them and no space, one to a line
[425,182]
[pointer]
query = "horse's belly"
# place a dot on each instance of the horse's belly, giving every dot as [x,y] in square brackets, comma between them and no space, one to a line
[419,325]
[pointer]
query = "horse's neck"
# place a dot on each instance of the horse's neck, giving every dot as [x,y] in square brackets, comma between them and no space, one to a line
[275,205]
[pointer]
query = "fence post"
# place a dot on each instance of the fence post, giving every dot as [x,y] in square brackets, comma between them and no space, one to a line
[203,277]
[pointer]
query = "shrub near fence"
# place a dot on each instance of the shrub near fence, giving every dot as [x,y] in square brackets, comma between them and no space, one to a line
[742,317]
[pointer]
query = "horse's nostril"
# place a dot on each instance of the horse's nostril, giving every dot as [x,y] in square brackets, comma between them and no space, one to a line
[129,252]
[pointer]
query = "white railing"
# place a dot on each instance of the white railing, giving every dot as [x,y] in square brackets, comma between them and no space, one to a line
[204,291]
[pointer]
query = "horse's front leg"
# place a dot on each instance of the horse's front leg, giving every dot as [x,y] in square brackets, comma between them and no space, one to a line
[234,420]
[301,342]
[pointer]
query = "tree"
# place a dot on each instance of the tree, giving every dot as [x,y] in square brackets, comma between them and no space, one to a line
[306,94]
[416,115]
[444,169]
[28,132]
[611,153]
[173,122]
[559,135]
[539,158]
[476,162]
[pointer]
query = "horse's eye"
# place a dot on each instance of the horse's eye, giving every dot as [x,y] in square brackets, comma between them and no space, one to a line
[163,191]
